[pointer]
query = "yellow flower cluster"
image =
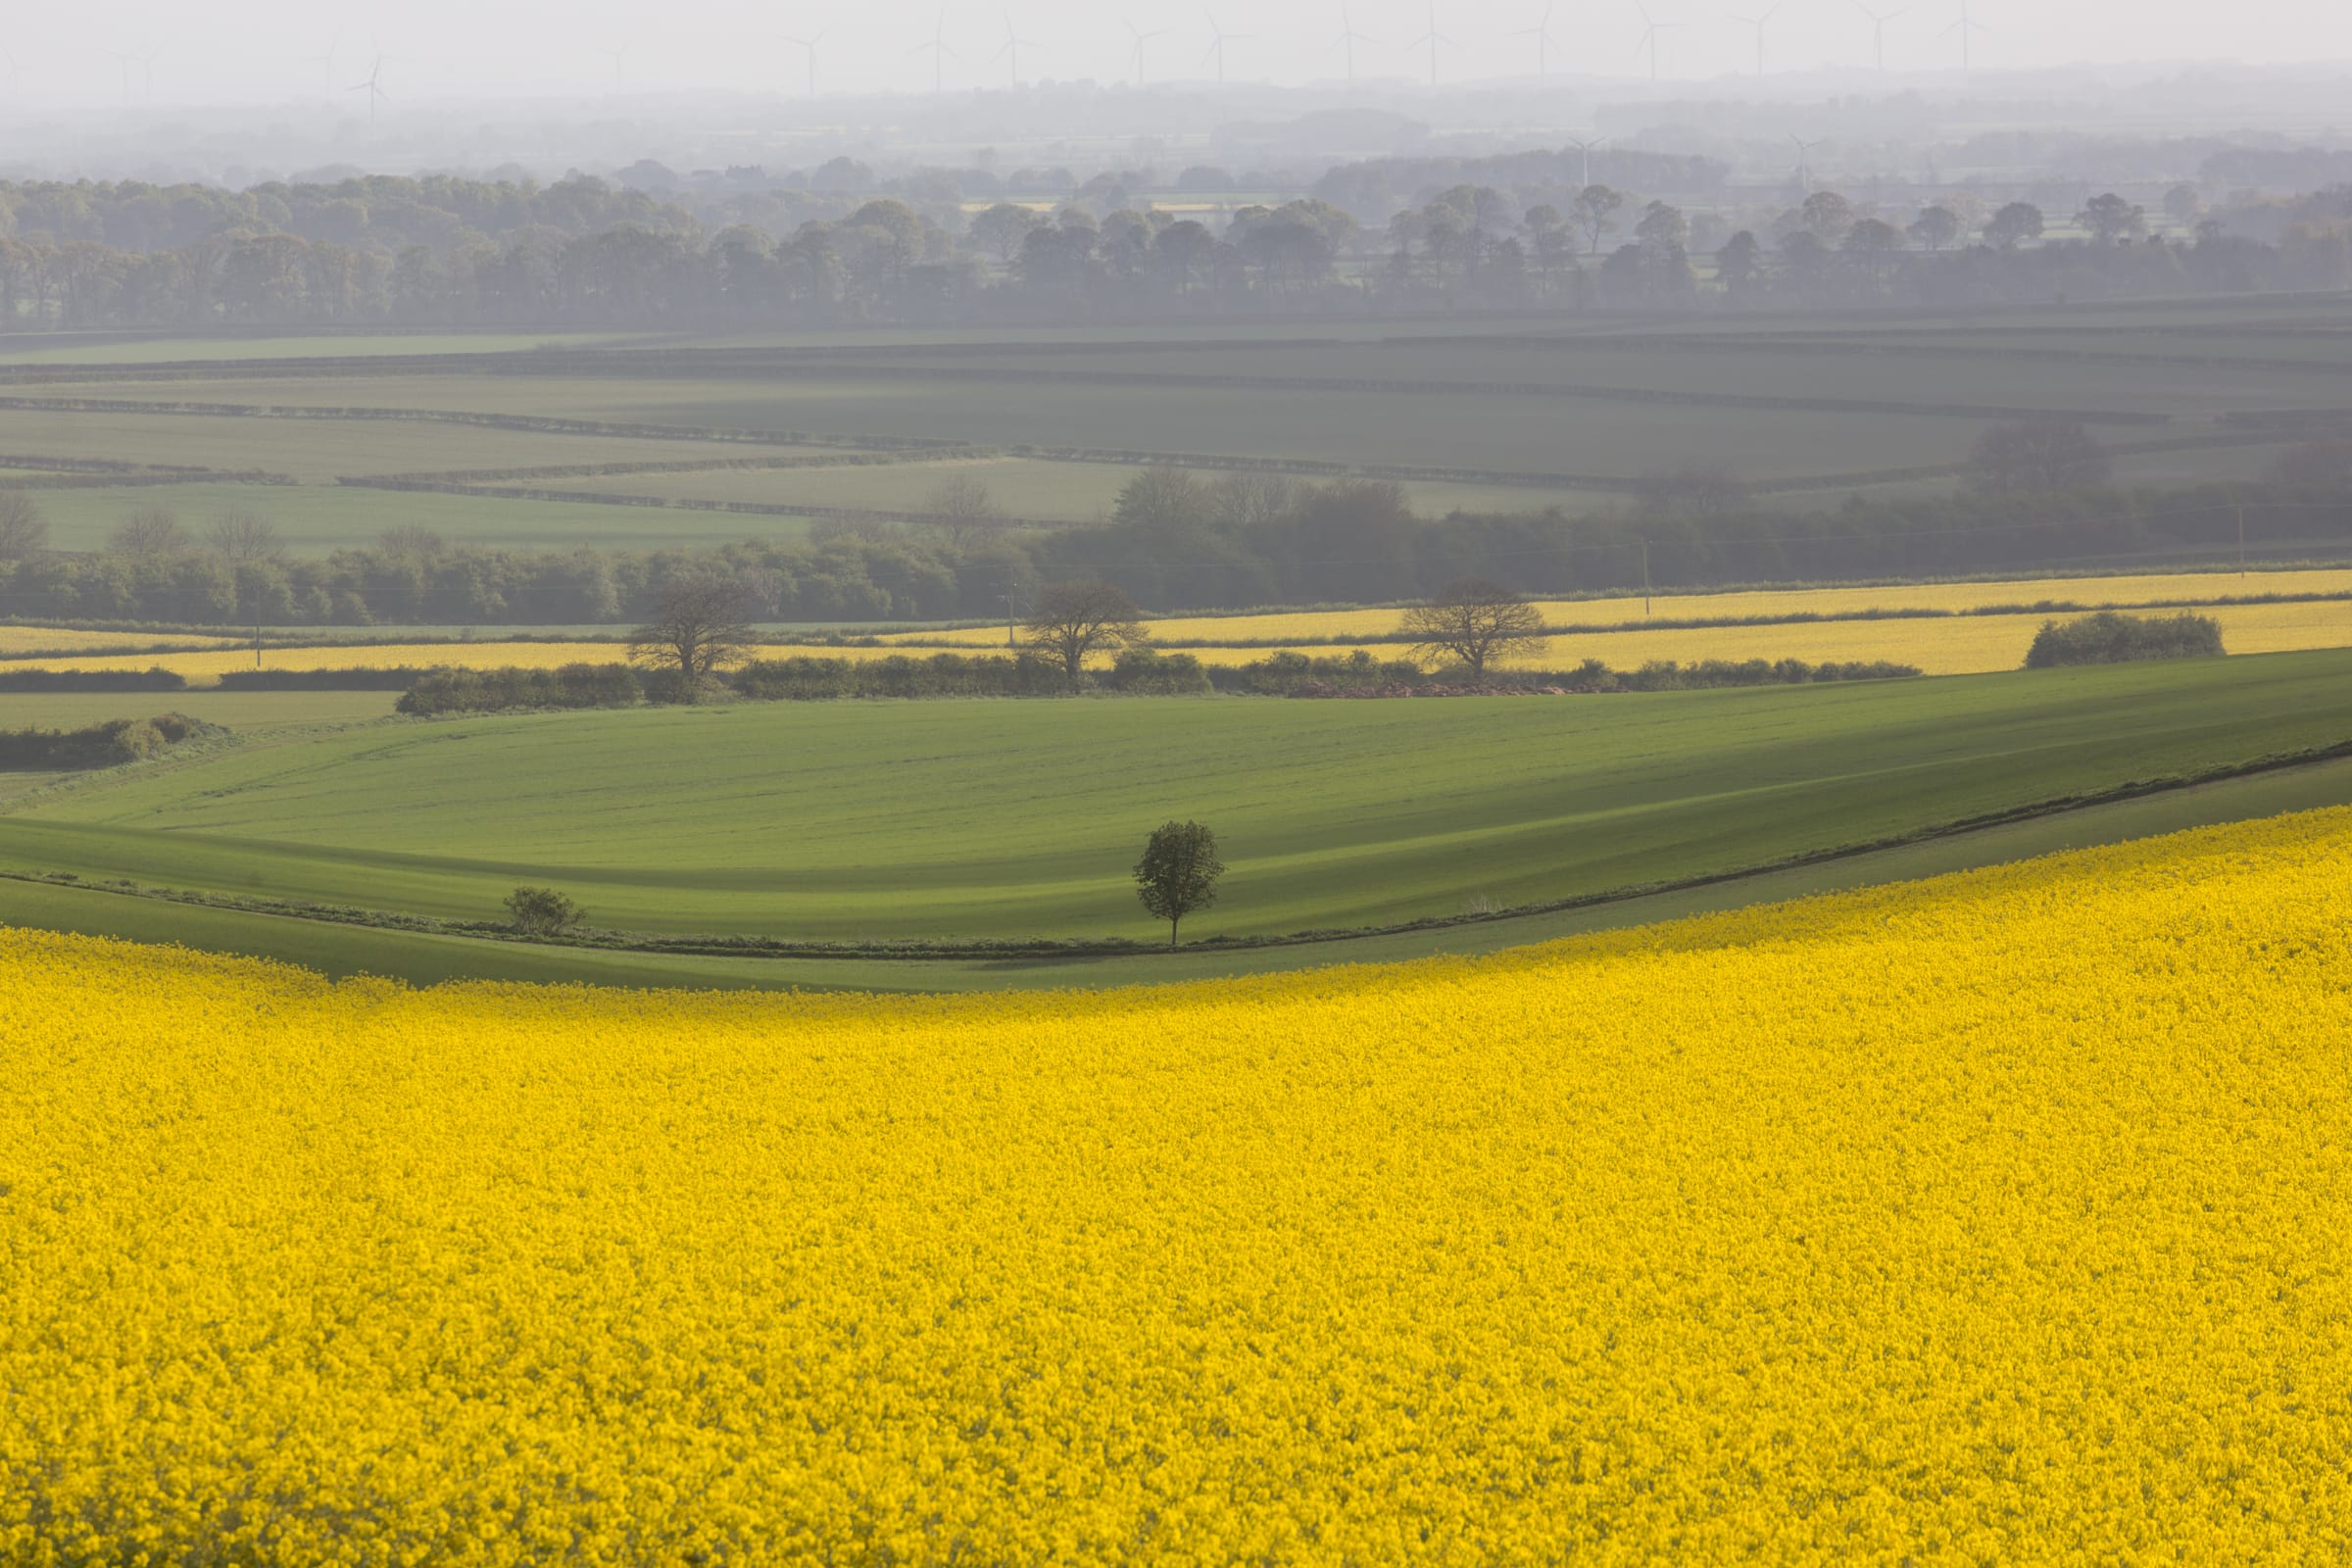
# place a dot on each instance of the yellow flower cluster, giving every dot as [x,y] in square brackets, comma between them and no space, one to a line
[2001,1218]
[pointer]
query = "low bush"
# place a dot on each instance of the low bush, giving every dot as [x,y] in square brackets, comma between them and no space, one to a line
[543,912]
[2108,638]
[107,745]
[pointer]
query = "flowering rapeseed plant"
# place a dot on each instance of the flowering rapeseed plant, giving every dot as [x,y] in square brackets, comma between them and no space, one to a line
[1996,1218]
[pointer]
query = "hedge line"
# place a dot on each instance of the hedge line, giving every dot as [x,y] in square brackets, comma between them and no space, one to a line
[495,422]
[1135,672]
[154,679]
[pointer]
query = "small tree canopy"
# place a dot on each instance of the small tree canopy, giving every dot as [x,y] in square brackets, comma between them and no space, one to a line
[1178,873]
[698,626]
[542,911]
[1475,621]
[1073,619]
[2045,453]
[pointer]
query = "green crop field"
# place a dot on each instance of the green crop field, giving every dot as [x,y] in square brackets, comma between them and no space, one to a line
[423,959]
[863,822]
[1814,408]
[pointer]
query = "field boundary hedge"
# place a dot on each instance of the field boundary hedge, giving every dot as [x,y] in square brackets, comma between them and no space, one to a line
[1422,387]
[534,423]
[750,947]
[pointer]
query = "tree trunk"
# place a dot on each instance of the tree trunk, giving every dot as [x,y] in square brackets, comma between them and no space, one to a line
[1172,932]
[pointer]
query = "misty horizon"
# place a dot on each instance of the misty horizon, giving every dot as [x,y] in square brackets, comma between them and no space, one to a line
[268,52]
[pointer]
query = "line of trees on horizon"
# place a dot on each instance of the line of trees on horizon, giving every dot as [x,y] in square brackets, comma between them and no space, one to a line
[1177,541]
[581,253]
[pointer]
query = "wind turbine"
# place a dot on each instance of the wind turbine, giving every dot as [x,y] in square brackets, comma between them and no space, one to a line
[1216,51]
[1348,39]
[1584,151]
[326,61]
[809,45]
[1964,27]
[1542,34]
[1141,38]
[1757,22]
[374,87]
[1012,48]
[938,50]
[147,65]
[1878,27]
[1804,173]
[1433,37]
[1651,29]
[125,59]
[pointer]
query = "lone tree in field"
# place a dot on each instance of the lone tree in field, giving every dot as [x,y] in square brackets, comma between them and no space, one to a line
[542,911]
[1477,622]
[1178,872]
[24,532]
[1073,619]
[700,624]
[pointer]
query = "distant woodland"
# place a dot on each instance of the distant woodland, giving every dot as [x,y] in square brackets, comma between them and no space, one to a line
[1529,231]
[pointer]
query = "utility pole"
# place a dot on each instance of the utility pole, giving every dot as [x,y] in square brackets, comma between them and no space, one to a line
[2241,538]
[1012,591]
[1645,577]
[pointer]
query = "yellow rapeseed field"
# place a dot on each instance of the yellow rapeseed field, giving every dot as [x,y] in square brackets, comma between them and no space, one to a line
[2090,592]
[1999,1219]
[18,641]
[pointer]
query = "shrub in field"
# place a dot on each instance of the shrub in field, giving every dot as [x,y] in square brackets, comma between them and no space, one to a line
[543,912]
[2108,638]
[107,745]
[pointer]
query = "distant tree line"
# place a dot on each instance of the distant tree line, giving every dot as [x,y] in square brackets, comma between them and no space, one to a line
[1177,541]
[443,252]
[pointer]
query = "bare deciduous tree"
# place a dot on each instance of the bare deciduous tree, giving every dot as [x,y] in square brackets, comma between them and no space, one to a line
[1477,622]
[699,627]
[1074,619]
[24,532]
[961,509]
[412,539]
[241,536]
[149,533]
[1245,500]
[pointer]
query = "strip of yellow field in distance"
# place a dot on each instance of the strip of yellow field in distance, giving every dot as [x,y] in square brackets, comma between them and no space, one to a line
[1941,646]
[2090,592]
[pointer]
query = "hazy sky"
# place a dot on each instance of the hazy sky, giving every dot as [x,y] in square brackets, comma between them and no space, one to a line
[272,51]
